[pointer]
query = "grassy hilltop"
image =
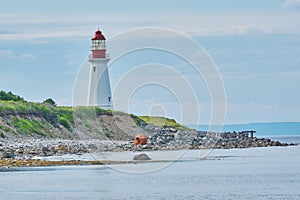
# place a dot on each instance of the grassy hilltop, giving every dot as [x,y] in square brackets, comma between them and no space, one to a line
[19,118]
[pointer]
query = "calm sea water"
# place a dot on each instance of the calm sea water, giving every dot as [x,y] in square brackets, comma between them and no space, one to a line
[254,173]
[286,139]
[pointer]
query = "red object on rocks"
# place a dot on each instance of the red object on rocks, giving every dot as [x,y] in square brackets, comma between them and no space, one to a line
[140,139]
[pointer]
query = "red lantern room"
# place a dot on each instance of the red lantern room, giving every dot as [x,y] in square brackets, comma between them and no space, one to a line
[98,45]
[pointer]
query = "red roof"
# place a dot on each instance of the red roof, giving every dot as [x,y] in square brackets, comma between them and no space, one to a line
[98,35]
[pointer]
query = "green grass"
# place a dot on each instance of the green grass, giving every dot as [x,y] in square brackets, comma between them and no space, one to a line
[138,120]
[100,111]
[65,122]
[25,108]
[53,115]
[107,133]
[162,122]
[66,113]
[65,116]
[28,126]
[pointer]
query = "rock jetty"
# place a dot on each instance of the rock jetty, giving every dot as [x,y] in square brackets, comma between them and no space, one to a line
[169,138]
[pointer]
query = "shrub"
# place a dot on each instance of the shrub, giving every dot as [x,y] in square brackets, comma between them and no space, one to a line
[107,134]
[46,112]
[50,101]
[63,121]
[66,112]
[7,96]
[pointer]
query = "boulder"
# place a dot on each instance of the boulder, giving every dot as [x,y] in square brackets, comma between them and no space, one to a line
[141,156]
[44,149]
[4,154]
[92,147]
[60,147]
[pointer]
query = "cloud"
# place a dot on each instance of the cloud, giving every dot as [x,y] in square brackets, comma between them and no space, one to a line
[28,57]
[11,55]
[28,26]
[292,4]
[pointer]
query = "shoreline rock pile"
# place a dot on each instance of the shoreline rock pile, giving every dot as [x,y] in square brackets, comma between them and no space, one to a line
[168,138]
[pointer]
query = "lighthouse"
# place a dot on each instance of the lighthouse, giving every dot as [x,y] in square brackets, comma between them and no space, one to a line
[99,92]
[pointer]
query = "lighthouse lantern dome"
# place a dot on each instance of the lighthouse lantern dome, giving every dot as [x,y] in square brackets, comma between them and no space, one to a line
[98,35]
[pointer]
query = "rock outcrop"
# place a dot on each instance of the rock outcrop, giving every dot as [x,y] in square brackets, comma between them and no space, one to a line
[141,156]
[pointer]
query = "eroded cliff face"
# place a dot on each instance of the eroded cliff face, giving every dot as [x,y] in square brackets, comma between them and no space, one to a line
[37,120]
[22,119]
[103,126]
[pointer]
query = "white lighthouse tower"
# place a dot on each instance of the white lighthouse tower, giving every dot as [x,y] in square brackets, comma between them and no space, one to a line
[99,93]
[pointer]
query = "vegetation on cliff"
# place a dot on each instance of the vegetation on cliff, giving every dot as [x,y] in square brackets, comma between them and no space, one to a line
[162,122]
[32,119]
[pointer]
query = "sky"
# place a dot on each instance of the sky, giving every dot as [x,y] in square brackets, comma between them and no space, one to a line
[254,44]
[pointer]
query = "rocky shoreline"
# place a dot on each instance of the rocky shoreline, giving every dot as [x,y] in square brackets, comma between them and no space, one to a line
[21,152]
[29,130]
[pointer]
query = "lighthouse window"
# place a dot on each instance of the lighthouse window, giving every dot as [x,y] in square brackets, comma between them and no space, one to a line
[94,69]
[102,44]
[98,44]
[94,44]
[109,99]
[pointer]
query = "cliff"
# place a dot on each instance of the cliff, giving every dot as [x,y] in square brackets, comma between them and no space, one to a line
[21,119]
